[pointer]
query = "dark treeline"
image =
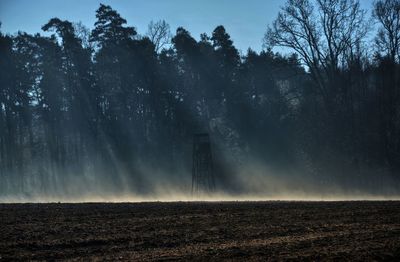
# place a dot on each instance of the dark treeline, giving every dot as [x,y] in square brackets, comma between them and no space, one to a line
[110,109]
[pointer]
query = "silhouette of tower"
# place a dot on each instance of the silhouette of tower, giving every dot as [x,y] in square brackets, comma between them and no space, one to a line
[202,169]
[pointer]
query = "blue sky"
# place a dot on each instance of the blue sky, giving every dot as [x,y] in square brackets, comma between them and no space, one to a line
[245,20]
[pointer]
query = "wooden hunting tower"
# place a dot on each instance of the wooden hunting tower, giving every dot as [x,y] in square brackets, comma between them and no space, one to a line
[202,169]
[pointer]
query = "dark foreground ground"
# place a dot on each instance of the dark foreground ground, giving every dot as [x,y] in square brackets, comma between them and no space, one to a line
[201,231]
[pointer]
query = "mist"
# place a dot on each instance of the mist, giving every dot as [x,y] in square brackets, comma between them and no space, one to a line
[107,115]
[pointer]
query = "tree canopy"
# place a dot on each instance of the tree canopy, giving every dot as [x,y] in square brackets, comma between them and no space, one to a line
[107,109]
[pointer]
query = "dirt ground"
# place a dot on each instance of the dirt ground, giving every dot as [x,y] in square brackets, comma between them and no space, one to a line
[201,231]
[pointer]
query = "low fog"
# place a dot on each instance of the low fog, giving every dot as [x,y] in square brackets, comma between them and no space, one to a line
[110,115]
[238,177]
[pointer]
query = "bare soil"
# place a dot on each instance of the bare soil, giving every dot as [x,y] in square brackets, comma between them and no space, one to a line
[357,231]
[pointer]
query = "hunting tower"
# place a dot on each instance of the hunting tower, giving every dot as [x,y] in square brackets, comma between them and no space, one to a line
[202,169]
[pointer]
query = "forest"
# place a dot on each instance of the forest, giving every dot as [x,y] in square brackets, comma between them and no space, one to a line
[104,110]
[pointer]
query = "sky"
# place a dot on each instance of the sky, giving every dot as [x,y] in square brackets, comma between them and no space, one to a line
[245,20]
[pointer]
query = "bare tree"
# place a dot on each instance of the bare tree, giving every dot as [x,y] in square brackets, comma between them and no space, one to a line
[83,33]
[322,32]
[159,33]
[387,13]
